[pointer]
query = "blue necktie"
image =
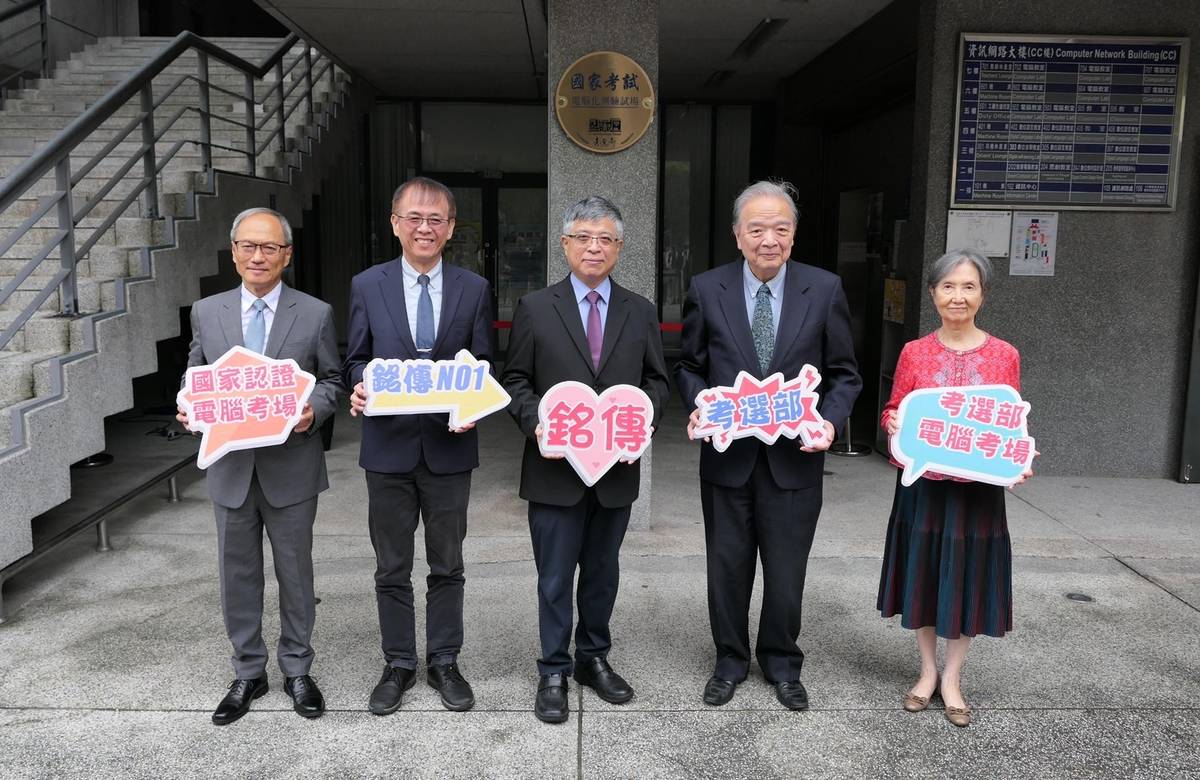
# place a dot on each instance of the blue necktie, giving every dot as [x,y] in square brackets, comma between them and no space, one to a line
[424,316]
[256,331]
[763,328]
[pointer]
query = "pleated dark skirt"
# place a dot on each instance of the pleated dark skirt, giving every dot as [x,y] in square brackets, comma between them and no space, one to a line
[948,559]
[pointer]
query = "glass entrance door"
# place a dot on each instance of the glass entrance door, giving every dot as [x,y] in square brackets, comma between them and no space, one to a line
[500,234]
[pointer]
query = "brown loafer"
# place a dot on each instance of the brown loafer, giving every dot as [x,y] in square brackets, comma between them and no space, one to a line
[959,716]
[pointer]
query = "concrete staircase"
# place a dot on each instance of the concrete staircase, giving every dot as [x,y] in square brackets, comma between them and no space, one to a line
[60,376]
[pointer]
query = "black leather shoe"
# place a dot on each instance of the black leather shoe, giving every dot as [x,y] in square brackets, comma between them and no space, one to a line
[237,702]
[718,691]
[307,700]
[792,695]
[448,681]
[599,676]
[385,699]
[551,703]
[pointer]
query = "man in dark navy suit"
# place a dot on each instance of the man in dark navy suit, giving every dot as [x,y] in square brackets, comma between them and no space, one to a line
[762,314]
[587,329]
[416,306]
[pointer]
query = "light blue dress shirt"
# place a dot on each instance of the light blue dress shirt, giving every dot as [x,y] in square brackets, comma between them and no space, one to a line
[581,291]
[775,287]
[272,301]
[412,295]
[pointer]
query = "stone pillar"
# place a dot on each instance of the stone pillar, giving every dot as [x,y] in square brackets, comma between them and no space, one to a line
[628,178]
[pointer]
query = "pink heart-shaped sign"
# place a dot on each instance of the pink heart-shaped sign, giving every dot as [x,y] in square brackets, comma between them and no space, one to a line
[595,431]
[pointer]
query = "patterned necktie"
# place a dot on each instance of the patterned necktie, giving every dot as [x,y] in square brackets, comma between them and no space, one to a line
[424,316]
[763,328]
[256,331]
[595,331]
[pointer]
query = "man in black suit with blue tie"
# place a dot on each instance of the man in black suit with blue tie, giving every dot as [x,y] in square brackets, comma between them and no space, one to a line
[417,467]
[585,328]
[763,313]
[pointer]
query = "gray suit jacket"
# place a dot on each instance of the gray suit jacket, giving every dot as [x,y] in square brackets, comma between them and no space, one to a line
[302,330]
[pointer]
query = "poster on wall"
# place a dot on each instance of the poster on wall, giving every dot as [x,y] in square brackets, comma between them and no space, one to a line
[1034,243]
[1068,122]
[986,231]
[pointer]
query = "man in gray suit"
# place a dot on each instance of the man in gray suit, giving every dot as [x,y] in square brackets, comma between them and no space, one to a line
[271,487]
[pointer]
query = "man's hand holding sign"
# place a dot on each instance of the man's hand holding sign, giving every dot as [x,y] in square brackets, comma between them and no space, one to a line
[594,432]
[245,401]
[764,409]
[463,387]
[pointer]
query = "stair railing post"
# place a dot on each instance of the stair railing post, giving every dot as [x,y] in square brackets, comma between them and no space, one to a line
[43,28]
[205,120]
[308,85]
[68,291]
[279,114]
[250,146]
[332,89]
[149,158]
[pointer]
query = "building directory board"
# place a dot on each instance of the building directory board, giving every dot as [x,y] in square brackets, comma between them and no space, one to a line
[1068,122]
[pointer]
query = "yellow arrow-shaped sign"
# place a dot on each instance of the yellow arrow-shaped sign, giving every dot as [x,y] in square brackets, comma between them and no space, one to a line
[464,387]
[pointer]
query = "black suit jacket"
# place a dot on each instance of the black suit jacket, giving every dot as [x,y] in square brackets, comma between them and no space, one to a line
[548,346]
[814,327]
[393,444]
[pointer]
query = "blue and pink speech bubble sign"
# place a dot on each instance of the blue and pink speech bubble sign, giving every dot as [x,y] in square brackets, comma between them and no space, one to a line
[978,433]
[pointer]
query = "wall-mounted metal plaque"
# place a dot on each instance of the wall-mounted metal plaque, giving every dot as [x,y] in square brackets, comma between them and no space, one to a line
[1078,122]
[604,102]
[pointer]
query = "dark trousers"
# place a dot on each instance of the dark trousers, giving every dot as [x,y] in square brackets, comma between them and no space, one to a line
[395,503]
[758,519]
[589,536]
[240,560]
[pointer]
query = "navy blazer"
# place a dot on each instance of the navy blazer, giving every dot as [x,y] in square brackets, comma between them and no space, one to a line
[394,444]
[548,346]
[814,327]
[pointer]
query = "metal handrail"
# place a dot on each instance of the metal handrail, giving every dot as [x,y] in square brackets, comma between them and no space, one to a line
[43,41]
[58,208]
[20,8]
[87,122]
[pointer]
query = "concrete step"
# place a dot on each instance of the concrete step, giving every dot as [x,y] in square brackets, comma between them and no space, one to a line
[17,380]
[88,293]
[44,332]
[127,233]
[107,262]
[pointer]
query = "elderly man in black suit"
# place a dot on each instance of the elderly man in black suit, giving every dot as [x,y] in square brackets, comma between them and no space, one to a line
[589,329]
[763,313]
[418,468]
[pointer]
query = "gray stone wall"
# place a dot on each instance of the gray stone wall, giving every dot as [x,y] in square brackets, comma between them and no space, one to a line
[1104,343]
[628,178]
[73,24]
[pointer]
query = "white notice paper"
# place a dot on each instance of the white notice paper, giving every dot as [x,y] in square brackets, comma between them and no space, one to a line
[986,231]
[1034,243]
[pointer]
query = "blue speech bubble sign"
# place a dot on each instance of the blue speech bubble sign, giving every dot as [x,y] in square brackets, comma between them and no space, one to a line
[978,433]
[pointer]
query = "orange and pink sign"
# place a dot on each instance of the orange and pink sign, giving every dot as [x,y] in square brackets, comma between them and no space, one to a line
[595,431]
[244,401]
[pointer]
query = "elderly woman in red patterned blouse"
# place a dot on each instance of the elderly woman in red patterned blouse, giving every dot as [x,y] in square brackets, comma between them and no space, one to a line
[947,566]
